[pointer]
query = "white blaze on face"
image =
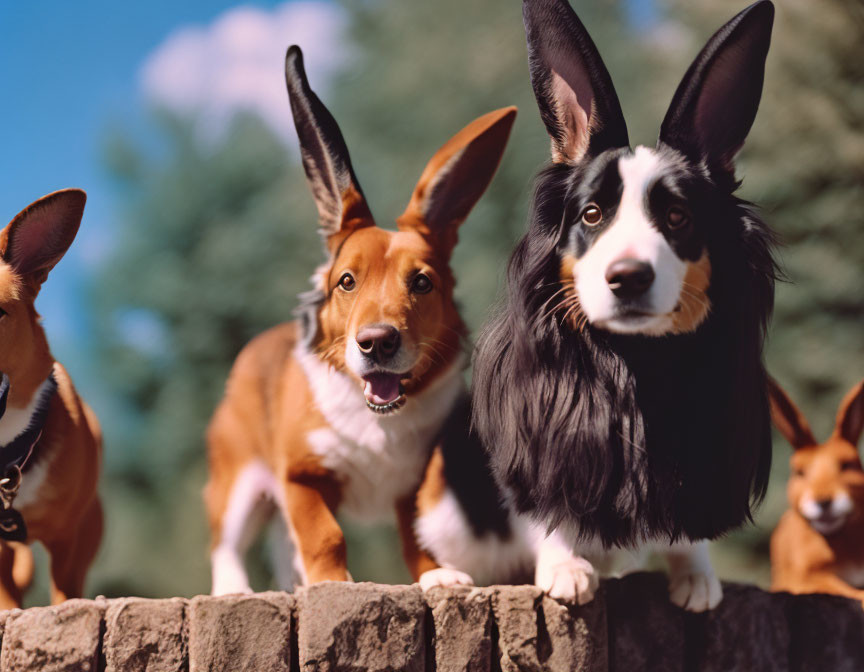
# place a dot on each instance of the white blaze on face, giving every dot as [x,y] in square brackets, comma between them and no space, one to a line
[632,236]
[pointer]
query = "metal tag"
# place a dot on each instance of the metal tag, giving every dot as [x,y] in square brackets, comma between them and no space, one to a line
[12,526]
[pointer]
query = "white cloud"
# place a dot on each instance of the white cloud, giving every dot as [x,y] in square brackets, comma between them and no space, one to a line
[237,63]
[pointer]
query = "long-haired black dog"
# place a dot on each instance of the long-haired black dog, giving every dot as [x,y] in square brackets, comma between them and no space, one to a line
[621,391]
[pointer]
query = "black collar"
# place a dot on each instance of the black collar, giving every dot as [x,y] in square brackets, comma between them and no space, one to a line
[19,450]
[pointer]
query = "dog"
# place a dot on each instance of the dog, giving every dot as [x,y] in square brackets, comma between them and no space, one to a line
[818,546]
[620,391]
[339,410]
[50,441]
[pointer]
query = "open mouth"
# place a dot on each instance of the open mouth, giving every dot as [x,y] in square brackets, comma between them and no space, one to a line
[384,391]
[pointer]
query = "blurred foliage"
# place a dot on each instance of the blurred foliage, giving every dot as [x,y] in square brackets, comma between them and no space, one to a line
[214,241]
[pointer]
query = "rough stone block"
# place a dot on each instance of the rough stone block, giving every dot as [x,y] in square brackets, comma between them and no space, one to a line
[539,634]
[826,632]
[361,626]
[145,635]
[241,633]
[646,631]
[462,623]
[747,631]
[515,609]
[575,637]
[64,638]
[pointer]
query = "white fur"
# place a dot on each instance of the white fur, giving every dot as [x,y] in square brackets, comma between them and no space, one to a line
[632,236]
[693,585]
[562,574]
[378,458]
[17,419]
[253,493]
[444,577]
[445,532]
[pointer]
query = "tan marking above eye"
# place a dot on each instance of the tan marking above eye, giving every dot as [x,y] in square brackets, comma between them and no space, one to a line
[677,218]
[592,215]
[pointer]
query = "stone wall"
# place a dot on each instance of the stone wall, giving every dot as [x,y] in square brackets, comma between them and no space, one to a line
[366,627]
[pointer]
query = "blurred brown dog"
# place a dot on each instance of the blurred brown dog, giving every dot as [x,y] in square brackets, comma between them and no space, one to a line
[818,546]
[50,444]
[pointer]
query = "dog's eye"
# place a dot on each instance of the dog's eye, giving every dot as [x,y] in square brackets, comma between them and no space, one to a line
[347,282]
[421,284]
[677,218]
[850,465]
[592,215]
[798,471]
[3,313]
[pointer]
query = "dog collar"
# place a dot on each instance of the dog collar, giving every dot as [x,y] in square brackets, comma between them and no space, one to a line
[15,455]
[18,451]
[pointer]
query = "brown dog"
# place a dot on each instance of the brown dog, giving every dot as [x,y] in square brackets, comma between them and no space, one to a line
[50,444]
[339,410]
[818,546]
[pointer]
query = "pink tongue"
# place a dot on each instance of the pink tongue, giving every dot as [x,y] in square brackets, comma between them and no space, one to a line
[381,388]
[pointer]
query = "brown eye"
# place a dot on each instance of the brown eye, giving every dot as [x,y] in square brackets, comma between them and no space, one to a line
[421,284]
[347,282]
[677,218]
[798,471]
[850,465]
[3,313]
[592,215]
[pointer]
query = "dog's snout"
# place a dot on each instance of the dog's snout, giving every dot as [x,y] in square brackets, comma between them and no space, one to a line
[629,278]
[825,504]
[379,342]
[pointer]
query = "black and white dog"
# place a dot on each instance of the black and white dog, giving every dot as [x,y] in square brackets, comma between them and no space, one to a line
[621,392]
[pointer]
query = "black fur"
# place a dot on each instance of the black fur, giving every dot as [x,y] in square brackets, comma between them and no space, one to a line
[626,438]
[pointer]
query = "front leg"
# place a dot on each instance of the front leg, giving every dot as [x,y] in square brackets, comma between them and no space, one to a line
[311,504]
[692,583]
[561,573]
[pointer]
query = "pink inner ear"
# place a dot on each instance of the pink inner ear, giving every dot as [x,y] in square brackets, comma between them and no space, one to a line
[571,89]
[41,234]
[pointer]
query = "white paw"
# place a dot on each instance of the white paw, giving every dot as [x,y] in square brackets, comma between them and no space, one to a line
[444,577]
[695,592]
[571,580]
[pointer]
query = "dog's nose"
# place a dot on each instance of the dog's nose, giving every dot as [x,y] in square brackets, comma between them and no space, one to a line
[824,504]
[379,342]
[629,278]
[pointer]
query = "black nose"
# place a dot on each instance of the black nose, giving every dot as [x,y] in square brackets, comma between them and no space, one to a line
[629,278]
[824,504]
[379,342]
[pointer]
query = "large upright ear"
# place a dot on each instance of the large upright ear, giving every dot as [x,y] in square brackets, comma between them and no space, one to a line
[38,237]
[574,91]
[789,421]
[850,417]
[341,204]
[716,102]
[456,177]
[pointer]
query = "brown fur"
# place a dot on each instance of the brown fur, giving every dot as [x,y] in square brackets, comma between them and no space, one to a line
[694,304]
[67,517]
[802,559]
[269,408]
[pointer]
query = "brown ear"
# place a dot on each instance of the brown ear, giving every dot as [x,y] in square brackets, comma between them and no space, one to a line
[456,177]
[850,417]
[789,421]
[38,237]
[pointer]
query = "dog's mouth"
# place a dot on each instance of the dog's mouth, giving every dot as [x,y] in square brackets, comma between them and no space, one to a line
[827,523]
[384,391]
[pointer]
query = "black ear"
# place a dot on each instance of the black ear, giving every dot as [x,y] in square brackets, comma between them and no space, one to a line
[40,234]
[716,102]
[341,204]
[574,91]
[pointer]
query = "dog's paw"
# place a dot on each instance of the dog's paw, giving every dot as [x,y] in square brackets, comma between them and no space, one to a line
[695,592]
[444,577]
[573,580]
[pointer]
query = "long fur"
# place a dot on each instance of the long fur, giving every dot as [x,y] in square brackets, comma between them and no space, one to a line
[629,438]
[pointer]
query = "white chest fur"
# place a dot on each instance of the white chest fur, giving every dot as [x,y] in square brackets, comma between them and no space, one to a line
[377,457]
